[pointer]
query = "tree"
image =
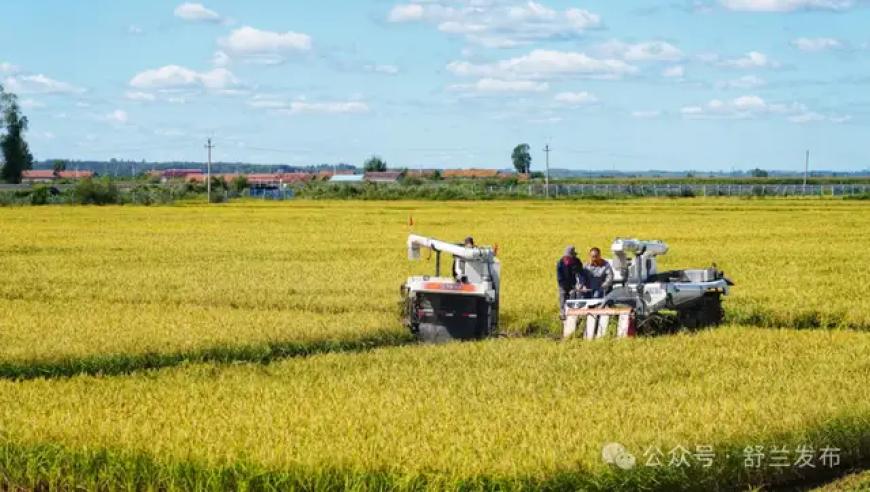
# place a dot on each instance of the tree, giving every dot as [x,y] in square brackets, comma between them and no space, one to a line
[16,154]
[375,164]
[522,159]
[239,183]
[57,166]
[758,173]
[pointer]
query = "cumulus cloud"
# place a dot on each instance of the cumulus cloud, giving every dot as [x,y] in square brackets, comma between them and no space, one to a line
[38,84]
[118,116]
[753,59]
[329,107]
[747,107]
[814,45]
[641,52]
[196,12]
[501,86]
[177,77]
[497,24]
[140,96]
[575,98]
[303,106]
[786,5]
[540,64]
[258,46]
[6,67]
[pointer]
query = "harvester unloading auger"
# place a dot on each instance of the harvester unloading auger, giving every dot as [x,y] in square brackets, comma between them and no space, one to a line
[465,305]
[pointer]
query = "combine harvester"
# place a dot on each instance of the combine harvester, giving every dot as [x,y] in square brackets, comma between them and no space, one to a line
[464,306]
[640,293]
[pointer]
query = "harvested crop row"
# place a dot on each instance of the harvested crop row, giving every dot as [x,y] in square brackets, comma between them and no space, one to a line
[509,412]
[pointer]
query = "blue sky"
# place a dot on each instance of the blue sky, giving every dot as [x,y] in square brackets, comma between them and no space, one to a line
[630,85]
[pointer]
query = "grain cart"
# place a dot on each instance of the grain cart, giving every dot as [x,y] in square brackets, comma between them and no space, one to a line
[462,306]
[640,292]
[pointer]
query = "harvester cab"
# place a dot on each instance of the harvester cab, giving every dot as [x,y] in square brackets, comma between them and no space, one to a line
[463,306]
[640,292]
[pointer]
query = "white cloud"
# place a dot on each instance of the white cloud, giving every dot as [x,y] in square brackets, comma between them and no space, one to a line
[38,84]
[406,13]
[134,30]
[747,107]
[786,5]
[814,45]
[140,96]
[501,86]
[545,64]
[8,68]
[117,116]
[813,117]
[675,72]
[220,59]
[745,82]
[334,107]
[196,12]
[641,52]
[302,106]
[497,24]
[267,47]
[174,77]
[753,59]
[575,98]
[645,115]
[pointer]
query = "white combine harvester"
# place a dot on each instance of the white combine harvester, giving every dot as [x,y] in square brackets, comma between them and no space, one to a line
[640,292]
[463,306]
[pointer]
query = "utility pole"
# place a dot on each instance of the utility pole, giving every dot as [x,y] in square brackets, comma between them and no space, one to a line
[209,146]
[547,150]
[806,169]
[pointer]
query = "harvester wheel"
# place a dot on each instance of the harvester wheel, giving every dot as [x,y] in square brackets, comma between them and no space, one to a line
[706,312]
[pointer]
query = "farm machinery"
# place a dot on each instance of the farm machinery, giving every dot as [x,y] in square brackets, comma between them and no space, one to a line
[465,305]
[640,293]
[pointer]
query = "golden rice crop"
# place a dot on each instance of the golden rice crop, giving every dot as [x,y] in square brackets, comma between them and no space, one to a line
[502,413]
[80,283]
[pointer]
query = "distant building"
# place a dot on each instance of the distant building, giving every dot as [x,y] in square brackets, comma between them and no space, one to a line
[346,178]
[48,175]
[185,174]
[382,176]
[470,173]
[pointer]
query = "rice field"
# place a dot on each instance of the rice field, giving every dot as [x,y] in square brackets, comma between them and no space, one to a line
[153,348]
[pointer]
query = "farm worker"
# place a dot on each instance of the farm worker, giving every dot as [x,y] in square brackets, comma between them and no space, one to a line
[458,274]
[569,275]
[598,274]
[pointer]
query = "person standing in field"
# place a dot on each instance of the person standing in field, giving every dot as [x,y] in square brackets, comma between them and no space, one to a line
[598,274]
[569,276]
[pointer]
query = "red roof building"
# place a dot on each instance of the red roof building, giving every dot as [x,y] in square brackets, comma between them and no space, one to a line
[48,175]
